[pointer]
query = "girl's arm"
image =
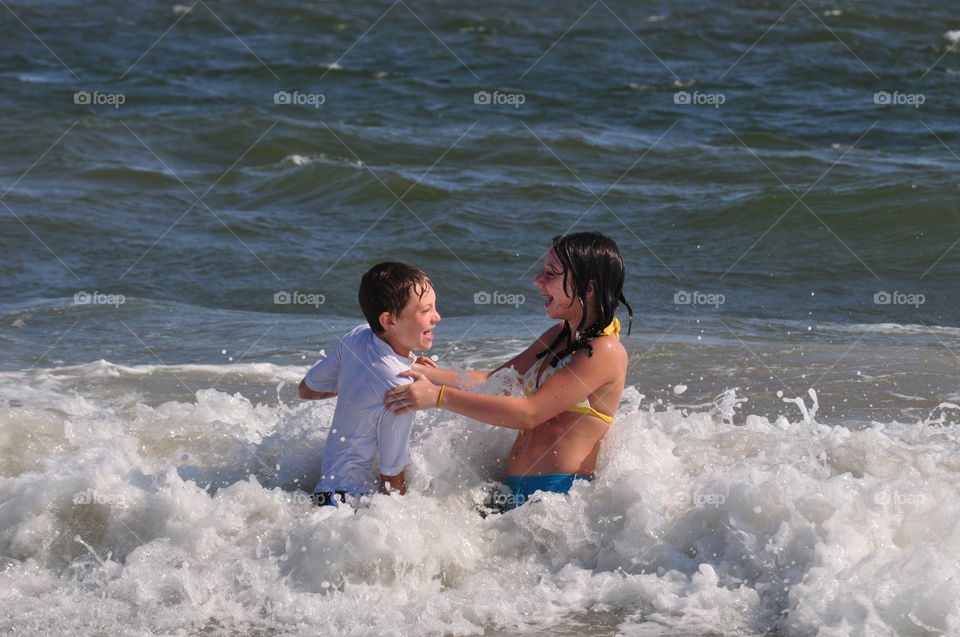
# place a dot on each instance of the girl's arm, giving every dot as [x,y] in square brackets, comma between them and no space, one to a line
[452,377]
[569,386]
[440,376]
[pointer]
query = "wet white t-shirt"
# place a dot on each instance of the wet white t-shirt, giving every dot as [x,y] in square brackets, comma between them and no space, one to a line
[365,439]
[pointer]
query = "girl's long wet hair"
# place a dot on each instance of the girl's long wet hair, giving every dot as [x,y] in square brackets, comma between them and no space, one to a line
[588,257]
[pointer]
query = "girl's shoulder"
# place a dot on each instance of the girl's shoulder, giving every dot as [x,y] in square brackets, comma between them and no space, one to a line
[607,347]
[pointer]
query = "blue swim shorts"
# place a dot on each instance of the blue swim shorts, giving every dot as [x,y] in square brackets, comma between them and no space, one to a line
[525,486]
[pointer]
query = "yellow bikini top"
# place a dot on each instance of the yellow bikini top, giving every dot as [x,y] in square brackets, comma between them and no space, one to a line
[537,374]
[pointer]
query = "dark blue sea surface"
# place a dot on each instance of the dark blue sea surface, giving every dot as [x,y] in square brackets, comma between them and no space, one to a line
[782,184]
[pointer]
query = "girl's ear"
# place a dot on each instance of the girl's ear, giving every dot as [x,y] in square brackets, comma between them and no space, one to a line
[387,321]
[591,289]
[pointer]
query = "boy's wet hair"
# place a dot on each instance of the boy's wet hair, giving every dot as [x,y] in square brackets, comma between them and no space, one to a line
[588,257]
[386,287]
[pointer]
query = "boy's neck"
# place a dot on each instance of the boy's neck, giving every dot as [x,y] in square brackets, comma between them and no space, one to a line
[399,349]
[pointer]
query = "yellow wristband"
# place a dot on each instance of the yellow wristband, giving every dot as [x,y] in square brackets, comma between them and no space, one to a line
[440,395]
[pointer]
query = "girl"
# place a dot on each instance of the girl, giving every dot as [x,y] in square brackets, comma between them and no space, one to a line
[573,375]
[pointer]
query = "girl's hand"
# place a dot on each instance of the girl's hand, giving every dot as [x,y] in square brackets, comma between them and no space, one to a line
[419,394]
[426,361]
[422,364]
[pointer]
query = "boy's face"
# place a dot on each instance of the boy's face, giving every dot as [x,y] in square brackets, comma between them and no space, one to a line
[413,328]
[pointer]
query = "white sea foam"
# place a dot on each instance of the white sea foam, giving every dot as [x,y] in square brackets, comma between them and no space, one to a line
[896,328]
[45,77]
[106,369]
[186,517]
[298,160]
[953,36]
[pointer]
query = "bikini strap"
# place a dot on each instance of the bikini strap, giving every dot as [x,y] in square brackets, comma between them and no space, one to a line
[613,328]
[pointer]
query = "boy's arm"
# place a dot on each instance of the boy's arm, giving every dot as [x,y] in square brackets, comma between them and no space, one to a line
[308,394]
[393,446]
[323,379]
[393,483]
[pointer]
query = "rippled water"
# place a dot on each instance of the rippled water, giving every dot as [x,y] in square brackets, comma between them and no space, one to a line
[781,179]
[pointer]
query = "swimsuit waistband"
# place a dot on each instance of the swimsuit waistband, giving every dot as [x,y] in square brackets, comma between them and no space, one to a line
[525,486]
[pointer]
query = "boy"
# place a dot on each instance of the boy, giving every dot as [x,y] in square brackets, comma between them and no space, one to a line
[399,303]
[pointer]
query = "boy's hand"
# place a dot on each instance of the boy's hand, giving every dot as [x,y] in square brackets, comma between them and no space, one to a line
[308,394]
[419,394]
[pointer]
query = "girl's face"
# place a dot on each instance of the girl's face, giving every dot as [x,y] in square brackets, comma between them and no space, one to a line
[559,303]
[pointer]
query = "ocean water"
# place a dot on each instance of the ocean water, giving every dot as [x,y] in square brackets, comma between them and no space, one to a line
[190,193]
